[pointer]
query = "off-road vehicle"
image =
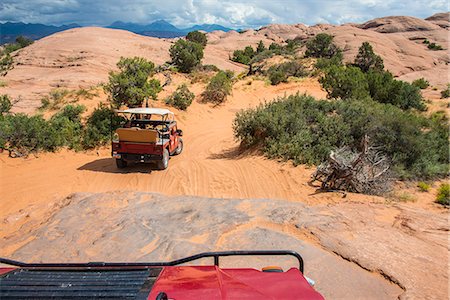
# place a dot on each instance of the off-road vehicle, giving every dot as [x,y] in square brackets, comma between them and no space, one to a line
[147,135]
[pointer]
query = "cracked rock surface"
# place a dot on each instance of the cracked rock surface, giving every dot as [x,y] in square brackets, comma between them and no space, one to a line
[351,250]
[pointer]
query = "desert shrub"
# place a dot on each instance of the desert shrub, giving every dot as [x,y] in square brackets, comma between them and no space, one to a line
[71,112]
[25,133]
[20,42]
[99,126]
[218,88]
[367,60]
[421,83]
[197,37]
[64,129]
[321,46]
[434,47]
[130,86]
[264,55]
[67,126]
[206,68]
[23,41]
[417,145]
[304,130]
[325,63]
[385,89]
[244,56]
[293,68]
[274,46]
[249,51]
[446,93]
[6,61]
[229,74]
[55,99]
[186,55]
[423,186]
[9,48]
[277,76]
[294,127]
[6,64]
[405,96]
[181,98]
[260,48]
[345,82]
[292,44]
[281,72]
[45,103]
[240,57]
[249,56]
[5,104]
[443,195]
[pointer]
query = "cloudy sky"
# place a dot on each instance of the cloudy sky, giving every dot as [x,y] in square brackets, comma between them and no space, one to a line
[232,13]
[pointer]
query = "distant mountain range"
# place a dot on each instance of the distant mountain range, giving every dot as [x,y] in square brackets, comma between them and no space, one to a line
[9,31]
[162,29]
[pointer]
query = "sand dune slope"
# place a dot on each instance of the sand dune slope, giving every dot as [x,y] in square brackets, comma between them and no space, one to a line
[83,57]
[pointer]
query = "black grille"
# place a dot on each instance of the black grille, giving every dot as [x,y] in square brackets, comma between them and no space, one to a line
[76,284]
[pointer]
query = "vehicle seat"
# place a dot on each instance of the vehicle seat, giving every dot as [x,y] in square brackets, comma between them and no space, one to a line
[162,128]
[137,135]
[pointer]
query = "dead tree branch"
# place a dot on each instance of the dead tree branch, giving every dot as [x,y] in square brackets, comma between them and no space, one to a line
[366,171]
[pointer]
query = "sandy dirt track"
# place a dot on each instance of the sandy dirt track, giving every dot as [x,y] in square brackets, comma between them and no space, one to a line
[211,164]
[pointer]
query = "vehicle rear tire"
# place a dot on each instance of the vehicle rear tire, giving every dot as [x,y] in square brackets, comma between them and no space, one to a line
[164,162]
[120,163]
[179,147]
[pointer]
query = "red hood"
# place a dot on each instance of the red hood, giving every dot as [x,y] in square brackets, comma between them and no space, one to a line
[211,282]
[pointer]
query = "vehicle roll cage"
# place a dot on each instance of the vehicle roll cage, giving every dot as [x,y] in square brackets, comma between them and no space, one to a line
[140,265]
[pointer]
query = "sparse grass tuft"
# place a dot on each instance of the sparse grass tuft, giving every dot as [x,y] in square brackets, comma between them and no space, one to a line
[446,93]
[434,47]
[200,76]
[54,100]
[281,72]
[421,83]
[57,98]
[85,93]
[402,197]
[423,186]
[443,196]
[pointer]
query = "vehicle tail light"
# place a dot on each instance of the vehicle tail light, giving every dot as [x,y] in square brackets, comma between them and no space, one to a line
[158,149]
[115,146]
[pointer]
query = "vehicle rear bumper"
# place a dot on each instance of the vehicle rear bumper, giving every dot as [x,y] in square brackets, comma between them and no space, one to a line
[138,157]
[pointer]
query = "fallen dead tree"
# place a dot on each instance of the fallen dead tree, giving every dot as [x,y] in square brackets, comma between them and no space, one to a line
[364,172]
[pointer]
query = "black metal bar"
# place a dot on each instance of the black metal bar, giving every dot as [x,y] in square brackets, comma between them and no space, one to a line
[216,260]
[215,255]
